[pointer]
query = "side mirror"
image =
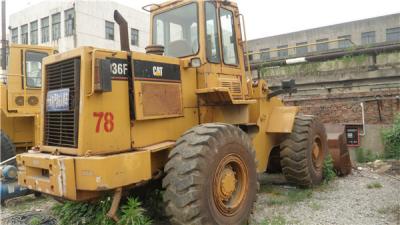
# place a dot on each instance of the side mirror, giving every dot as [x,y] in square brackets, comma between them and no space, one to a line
[288,84]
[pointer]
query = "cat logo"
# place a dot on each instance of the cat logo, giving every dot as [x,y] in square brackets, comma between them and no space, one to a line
[157,71]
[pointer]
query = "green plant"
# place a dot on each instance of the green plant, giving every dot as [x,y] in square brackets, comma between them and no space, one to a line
[91,213]
[276,220]
[374,185]
[133,214]
[391,140]
[328,172]
[35,221]
[365,155]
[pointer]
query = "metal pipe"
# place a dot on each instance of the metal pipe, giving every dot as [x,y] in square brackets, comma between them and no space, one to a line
[3,36]
[123,31]
[363,119]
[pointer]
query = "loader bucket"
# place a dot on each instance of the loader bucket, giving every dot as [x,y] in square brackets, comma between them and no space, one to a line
[337,146]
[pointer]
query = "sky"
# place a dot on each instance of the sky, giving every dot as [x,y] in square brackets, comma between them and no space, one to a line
[268,18]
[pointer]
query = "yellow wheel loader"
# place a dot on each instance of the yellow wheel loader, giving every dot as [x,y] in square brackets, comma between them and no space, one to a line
[20,103]
[184,111]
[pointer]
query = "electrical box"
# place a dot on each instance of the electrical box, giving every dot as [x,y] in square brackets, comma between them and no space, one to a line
[353,136]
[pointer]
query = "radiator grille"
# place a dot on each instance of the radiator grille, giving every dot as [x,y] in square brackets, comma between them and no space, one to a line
[61,128]
[234,87]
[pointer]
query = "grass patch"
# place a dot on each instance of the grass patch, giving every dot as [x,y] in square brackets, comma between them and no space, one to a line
[315,206]
[280,196]
[35,221]
[394,209]
[374,185]
[366,155]
[276,220]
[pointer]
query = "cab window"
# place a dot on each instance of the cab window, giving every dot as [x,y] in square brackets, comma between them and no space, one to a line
[228,37]
[212,40]
[177,31]
[33,66]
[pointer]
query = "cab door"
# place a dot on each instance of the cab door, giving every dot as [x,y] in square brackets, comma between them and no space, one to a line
[232,73]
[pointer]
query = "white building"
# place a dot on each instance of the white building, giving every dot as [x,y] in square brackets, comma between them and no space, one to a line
[74,23]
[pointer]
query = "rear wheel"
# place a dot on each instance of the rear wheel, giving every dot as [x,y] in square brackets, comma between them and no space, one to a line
[7,148]
[211,177]
[304,151]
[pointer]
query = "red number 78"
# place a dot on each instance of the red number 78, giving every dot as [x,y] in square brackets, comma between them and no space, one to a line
[108,121]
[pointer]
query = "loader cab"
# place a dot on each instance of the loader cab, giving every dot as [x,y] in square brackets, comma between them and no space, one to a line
[23,80]
[205,35]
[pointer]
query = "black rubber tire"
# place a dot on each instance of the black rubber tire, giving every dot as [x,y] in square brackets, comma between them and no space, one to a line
[7,148]
[297,162]
[190,171]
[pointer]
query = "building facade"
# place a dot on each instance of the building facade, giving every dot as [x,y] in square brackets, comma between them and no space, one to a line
[74,23]
[322,39]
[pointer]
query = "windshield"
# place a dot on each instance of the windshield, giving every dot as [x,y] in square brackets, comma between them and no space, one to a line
[177,31]
[34,69]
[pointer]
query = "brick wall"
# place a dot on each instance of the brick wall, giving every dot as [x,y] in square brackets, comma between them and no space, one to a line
[380,107]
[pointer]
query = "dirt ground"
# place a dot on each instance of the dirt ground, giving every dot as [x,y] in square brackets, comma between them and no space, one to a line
[364,197]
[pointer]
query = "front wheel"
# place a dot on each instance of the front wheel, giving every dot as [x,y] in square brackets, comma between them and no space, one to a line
[211,177]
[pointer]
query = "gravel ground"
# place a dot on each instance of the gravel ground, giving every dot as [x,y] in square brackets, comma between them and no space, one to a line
[346,200]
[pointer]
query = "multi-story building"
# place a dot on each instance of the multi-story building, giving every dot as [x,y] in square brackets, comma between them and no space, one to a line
[73,23]
[344,35]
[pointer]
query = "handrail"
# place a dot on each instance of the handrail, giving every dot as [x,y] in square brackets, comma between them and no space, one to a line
[246,45]
[306,45]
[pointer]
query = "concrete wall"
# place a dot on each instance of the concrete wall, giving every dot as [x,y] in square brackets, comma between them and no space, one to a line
[354,28]
[90,17]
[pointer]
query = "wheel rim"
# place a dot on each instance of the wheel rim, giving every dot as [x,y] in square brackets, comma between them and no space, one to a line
[316,154]
[230,184]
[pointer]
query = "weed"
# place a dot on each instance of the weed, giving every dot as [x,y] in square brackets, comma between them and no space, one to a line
[315,206]
[391,140]
[282,196]
[276,220]
[91,213]
[327,171]
[35,221]
[374,185]
[133,214]
[365,155]
[394,209]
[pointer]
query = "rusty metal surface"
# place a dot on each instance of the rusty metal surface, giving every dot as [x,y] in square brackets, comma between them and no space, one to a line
[338,149]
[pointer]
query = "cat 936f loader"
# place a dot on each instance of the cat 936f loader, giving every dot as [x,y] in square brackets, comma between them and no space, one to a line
[184,110]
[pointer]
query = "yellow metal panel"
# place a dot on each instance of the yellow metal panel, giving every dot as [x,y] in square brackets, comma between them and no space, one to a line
[54,175]
[109,172]
[282,119]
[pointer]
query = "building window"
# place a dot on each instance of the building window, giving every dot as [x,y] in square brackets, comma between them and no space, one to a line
[109,30]
[69,16]
[134,37]
[24,34]
[45,30]
[368,38]
[301,49]
[265,54]
[283,51]
[345,42]
[34,33]
[322,45]
[56,26]
[14,35]
[393,34]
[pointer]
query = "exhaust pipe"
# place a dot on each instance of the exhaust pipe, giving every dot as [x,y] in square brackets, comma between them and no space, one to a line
[123,31]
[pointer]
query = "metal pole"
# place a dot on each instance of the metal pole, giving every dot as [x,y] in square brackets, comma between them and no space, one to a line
[3,36]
